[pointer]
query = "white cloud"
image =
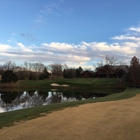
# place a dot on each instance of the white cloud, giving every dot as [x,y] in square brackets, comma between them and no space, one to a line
[65,48]
[21,45]
[8,54]
[58,46]
[125,37]
[56,7]
[78,58]
[101,46]
[56,52]
[134,29]
[24,48]
[125,46]
[4,47]
[131,44]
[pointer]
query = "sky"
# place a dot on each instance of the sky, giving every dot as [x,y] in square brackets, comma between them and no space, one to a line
[72,32]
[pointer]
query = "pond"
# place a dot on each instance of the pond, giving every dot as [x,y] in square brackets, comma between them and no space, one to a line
[14,100]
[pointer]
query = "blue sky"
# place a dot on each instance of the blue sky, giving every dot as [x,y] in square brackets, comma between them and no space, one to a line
[74,32]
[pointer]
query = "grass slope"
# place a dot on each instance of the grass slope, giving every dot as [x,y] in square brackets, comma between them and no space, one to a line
[9,118]
[73,83]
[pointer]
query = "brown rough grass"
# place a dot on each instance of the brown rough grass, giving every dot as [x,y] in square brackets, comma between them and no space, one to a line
[114,120]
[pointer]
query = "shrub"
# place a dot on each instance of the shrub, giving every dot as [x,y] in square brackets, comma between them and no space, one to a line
[9,76]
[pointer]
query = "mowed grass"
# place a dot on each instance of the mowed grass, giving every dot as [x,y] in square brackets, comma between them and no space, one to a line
[10,118]
[73,83]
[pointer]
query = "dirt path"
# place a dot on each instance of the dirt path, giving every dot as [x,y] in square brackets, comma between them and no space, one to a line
[115,120]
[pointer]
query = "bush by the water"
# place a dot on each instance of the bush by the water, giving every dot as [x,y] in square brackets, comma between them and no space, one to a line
[9,76]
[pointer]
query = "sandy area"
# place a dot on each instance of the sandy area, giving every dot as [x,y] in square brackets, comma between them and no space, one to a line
[58,85]
[115,120]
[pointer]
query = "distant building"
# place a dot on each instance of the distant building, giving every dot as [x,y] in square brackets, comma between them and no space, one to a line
[87,74]
[112,71]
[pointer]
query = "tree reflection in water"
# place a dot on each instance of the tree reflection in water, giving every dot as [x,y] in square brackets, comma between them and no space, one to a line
[13,100]
[18,100]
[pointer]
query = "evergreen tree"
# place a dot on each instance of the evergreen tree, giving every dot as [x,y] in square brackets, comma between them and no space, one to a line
[133,76]
[9,76]
[46,73]
[78,72]
[134,63]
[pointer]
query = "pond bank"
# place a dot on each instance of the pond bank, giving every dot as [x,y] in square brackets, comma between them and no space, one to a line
[112,120]
[8,118]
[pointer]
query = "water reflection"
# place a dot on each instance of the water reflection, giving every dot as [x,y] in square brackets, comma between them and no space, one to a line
[18,100]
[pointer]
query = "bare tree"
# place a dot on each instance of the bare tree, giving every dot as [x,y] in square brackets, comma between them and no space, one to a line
[37,67]
[9,65]
[65,67]
[25,70]
[26,65]
[107,66]
[40,67]
[56,69]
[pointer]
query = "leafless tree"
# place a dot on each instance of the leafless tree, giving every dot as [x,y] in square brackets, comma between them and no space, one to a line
[26,65]
[56,69]
[108,64]
[38,67]
[9,65]
[65,67]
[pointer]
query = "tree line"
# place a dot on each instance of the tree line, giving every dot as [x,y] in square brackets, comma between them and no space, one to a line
[11,72]
[131,77]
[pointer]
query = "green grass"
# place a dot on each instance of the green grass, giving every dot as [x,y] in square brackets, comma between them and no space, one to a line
[73,83]
[9,118]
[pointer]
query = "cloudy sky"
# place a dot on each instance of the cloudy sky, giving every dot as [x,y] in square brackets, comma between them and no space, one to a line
[74,32]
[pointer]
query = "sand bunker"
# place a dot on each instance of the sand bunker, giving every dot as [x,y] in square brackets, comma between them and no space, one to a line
[54,89]
[58,85]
